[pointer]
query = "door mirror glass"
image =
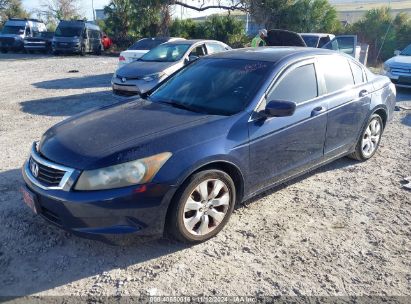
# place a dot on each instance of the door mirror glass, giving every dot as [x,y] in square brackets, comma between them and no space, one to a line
[279,108]
[397,53]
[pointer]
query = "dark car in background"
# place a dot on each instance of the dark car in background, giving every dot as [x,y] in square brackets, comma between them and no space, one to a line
[77,36]
[217,132]
[159,63]
[41,42]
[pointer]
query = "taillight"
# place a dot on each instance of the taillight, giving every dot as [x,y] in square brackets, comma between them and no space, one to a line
[121,58]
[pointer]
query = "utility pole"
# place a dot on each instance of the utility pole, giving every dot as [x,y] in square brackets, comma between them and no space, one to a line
[94,12]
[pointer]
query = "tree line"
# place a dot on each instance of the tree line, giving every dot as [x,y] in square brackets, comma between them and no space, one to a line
[128,20]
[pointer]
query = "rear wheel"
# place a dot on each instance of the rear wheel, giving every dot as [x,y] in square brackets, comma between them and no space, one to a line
[370,139]
[202,206]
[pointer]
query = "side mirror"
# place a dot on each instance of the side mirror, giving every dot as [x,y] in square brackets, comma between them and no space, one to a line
[279,108]
[397,53]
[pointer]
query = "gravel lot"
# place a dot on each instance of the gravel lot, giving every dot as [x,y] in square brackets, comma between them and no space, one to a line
[344,229]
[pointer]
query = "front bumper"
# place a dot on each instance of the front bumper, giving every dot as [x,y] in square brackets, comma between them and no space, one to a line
[69,48]
[399,79]
[132,86]
[139,210]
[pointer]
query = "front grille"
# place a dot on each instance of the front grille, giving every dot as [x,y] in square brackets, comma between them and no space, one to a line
[125,93]
[401,71]
[7,41]
[47,176]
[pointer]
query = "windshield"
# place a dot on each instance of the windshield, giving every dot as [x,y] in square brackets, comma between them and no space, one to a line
[146,44]
[406,51]
[13,30]
[310,41]
[68,31]
[166,53]
[214,86]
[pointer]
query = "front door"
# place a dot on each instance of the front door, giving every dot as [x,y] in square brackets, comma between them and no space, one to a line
[282,146]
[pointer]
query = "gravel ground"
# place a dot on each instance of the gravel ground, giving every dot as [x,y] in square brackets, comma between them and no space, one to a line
[341,230]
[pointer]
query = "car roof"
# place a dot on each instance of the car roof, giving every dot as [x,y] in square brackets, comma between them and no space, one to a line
[316,34]
[270,53]
[192,41]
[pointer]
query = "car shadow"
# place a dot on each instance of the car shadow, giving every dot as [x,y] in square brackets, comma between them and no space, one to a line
[36,256]
[69,105]
[406,120]
[83,82]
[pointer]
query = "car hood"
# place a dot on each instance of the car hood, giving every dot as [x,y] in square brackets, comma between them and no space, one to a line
[142,68]
[399,61]
[117,133]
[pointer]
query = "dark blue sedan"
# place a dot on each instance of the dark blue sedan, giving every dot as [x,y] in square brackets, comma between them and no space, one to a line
[219,131]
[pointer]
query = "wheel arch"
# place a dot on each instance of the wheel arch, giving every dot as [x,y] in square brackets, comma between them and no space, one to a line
[226,166]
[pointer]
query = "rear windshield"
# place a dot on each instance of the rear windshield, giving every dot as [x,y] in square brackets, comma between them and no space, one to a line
[146,44]
[215,86]
[12,30]
[64,31]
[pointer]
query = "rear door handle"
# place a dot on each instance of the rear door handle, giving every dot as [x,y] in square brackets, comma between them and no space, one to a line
[363,93]
[317,111]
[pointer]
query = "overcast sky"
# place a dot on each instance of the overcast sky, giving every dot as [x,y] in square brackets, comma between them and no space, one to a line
[98,4]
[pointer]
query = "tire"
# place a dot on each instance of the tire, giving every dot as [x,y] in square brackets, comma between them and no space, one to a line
[83,50]
[195,218]
[370,139]
[98,51]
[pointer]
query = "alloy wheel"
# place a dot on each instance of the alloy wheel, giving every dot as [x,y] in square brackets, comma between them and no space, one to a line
[206,207]
[371,137]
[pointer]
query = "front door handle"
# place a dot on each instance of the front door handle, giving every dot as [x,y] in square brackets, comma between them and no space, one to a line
[363,93]
[317,111]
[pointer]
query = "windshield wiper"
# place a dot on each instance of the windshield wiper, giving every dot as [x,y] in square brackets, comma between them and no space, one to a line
[180,106]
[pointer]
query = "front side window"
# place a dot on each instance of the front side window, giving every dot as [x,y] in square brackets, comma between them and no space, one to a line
[298,85]
[166,53]
[337,72]
[310,41]
[214,48]
[215,85]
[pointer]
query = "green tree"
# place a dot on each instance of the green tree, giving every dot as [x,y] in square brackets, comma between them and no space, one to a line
[312,16]
[376,29]
[11,9]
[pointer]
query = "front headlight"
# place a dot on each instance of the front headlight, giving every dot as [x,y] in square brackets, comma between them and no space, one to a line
[126,174]
[386,67]
[154,76]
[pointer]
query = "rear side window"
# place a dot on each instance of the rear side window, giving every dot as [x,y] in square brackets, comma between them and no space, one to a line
[357,73]
[337,72]
[298,85]
[214,48]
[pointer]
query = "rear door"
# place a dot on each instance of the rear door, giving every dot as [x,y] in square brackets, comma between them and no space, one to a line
[348,101]
[344,43]
[281,146]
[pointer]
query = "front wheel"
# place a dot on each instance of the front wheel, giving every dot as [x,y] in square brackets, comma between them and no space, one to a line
[370,139]
[202,206]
